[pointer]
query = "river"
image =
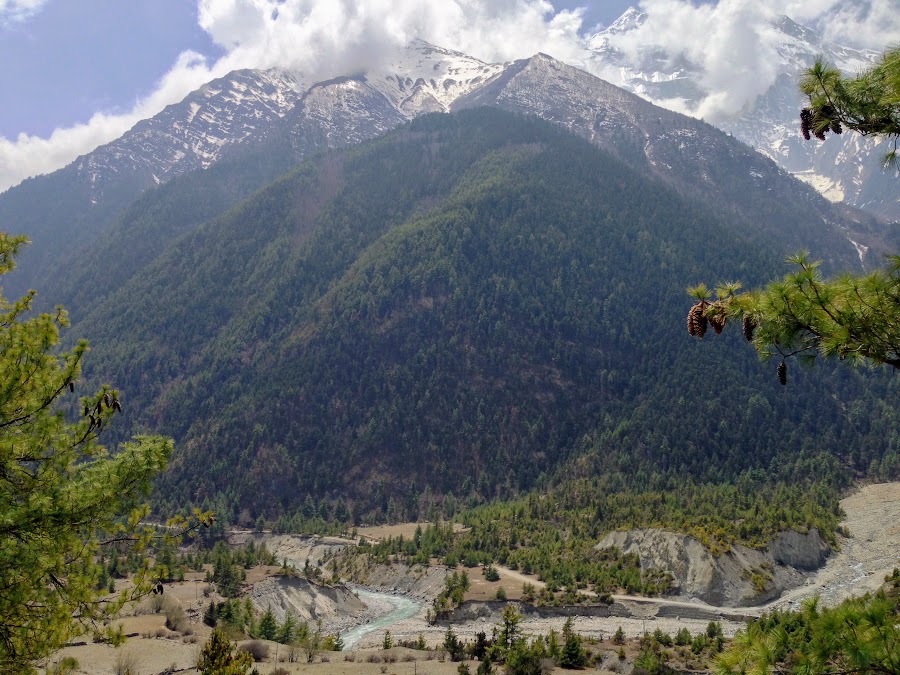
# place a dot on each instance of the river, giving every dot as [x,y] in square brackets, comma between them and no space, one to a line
[402,608]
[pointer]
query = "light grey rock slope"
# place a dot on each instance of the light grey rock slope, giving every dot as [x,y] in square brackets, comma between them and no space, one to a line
[305,600]
[740,577]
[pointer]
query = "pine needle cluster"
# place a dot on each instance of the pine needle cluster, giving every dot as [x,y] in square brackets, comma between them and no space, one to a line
[868,103]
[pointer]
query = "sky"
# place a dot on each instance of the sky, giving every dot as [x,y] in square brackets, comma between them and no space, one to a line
[78,73]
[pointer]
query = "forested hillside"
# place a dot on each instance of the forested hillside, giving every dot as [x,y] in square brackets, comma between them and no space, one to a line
[474,305]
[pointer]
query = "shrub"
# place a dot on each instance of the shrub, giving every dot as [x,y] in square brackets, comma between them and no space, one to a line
[176,619]
[258,649]
[683,637]
[126,663]
[155,603]
[219,656]
[528,592]
[66,665]
[662,637]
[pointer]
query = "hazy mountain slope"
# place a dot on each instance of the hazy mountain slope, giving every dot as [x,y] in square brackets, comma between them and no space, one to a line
[845,168]
[465,305]
[146,227]
[698,159]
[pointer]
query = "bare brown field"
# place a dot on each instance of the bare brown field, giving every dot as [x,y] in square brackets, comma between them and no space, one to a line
[511,582]
[379,532]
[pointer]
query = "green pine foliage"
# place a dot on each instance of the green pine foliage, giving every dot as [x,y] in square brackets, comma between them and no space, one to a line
[573,653]
[219,657]
[858,636]
[867,103]
[851,317]
[64,498]
[267,628]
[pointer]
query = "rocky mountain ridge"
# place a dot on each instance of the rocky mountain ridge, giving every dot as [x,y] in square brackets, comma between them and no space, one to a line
[275,112]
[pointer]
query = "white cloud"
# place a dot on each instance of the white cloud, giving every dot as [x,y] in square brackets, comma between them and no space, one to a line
[13,11]
[732,45]
[869,23]
[731,42]
[323,38]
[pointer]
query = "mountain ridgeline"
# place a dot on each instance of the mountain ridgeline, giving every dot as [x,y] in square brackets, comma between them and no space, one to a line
[259,123]
[475,305]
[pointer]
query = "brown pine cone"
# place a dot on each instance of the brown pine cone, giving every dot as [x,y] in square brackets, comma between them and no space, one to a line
[748,325]
[697,320]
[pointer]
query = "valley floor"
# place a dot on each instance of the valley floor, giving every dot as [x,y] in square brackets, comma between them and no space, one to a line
[870,552]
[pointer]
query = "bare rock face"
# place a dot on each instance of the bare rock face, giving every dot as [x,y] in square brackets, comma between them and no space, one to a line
[803,551]
[306,600]
[740,577]
[423,583]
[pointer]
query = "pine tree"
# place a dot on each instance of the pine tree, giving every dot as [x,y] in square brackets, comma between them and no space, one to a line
[268,626]
[510,621]
[287,631]
[851,317]
[573,653]
[452,645]
[62,494]
[210,615]
[219,657]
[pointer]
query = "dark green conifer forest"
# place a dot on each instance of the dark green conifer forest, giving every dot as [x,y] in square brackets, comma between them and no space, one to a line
[471,308]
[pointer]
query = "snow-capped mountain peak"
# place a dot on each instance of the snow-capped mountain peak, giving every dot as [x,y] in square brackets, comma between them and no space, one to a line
[843,168]
[425,78]
[632,18]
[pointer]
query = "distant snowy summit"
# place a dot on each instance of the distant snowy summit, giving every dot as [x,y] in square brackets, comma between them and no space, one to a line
[422,78]
[248,104]
[843,168]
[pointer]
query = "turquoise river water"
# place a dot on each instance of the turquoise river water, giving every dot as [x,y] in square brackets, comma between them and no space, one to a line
[402,608]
